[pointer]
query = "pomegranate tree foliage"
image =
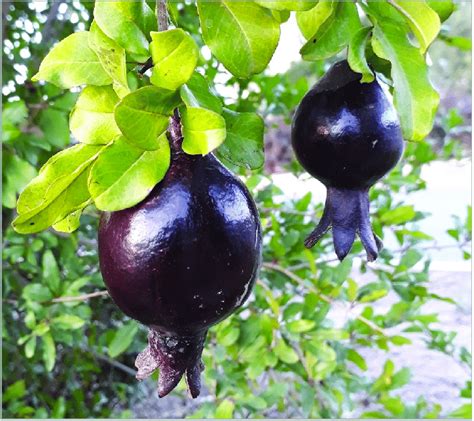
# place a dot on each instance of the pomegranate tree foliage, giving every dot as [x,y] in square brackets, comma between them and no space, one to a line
[282,352]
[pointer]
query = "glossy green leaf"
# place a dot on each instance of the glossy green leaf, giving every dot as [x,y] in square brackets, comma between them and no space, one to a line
[17,173]
[123,175]
[357,359]
[203,130]
[14,115]
[30,347]
[59,189]
[55,128]
[423,21]
[300,326]
[71,62]
[112,57]
[196,93]
[50,273]
[285,353]
[242,35]
[356,54]
[36,293]
[128,23]
[334,34]
[443,8]
[67,322]
[71,222]
[15,391]
[281,16]
[143,115]
[414,97]
[123,338]
[92,118]
[175,55]
[287,4]
[310,21]
[225,409]
[49,351]
[463,412]
[243,144]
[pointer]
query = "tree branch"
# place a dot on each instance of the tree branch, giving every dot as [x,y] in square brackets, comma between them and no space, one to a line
[323,297]
[84,297]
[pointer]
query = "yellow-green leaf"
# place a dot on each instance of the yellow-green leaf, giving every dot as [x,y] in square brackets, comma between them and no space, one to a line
[310,21]
[143,115]
[242,35]
[175,56]
[92,118]
[124,175]
[71,62]
[423,21]
[356,54]
[112,58]
[414,97]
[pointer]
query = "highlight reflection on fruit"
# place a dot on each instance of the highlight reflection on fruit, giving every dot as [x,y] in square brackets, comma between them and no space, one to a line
[182,260]
[347,135]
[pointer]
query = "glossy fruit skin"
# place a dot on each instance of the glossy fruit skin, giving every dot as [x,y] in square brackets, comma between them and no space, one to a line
[188,255]
[346,133]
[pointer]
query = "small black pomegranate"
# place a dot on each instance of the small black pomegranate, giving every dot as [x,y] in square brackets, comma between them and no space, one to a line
[347,135]
[180,261]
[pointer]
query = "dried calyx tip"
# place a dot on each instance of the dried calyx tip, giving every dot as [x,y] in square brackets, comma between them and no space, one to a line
[174,356]
[347,212]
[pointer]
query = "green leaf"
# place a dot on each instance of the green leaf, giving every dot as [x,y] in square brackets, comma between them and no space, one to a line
[124,175]
[67,322]
[49,351]
[443,8]
[112,57]
[203,130]
[281,16]
[464,411]
[72,63]
[372,295]
[50,273]
[400,340]
[356,54]
[36,293]
[399,215]
[54,126]
[196,93]
[415,99]
[351,289]
[242,35]
[128,23]
[59,189]
[30,347]
[309,22]
[285,353]
[14,115]
[70,223]
[357,359]
[334,34]
[243,145]
[299,326]
[143,115]
[287,4]
[225,409]
[123,338]
[17,173]
[410,259]
[423,21]
[92,118]
[175,55]
[14,392]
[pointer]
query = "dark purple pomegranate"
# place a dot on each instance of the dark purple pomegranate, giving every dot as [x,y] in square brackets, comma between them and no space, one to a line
[180,261]
[347,135]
